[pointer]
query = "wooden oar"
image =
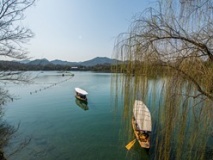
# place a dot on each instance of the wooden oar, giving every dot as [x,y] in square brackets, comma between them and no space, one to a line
[130,144]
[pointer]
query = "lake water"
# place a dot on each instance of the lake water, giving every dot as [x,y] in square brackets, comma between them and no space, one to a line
[62,129]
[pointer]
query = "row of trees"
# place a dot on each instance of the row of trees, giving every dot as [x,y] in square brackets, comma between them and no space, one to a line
[16,66]
[173,38]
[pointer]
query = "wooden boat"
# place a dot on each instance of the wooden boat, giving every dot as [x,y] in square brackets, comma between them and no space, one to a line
[141,123]
[81,94]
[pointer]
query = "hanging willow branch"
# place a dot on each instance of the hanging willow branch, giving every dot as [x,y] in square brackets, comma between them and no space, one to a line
[172,45]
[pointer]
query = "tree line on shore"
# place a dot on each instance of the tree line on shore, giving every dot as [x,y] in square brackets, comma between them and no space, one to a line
[16,66]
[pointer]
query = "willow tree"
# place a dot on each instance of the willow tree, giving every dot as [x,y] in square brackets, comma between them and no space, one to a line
[12,37]
[172,42]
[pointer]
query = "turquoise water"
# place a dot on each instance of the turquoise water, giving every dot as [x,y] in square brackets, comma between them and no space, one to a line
[62,129]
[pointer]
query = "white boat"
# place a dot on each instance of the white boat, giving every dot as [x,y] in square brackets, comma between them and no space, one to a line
[142,123]
[81,94]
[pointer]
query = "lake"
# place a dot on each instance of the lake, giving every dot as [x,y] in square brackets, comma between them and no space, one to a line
[60,127]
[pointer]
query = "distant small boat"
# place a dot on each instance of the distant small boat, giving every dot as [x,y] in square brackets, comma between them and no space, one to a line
[81,94]
[67,74]
[142,123]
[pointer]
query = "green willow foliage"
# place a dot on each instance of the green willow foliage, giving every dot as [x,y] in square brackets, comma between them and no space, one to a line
[164,50]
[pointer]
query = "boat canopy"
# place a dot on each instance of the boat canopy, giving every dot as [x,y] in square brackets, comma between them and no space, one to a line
[142,116]
[81,91]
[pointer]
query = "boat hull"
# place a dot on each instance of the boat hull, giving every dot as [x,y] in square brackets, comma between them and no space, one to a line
[143,143]
[81,99]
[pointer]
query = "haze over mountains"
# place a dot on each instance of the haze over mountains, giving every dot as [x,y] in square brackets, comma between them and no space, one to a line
[92,62]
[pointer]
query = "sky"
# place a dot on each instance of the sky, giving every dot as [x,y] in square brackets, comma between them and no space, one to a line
[78,30]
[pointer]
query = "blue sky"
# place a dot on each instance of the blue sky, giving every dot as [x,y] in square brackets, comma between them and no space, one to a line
[78,30]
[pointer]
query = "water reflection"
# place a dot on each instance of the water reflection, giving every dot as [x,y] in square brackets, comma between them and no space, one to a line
[59,131]
[82,104]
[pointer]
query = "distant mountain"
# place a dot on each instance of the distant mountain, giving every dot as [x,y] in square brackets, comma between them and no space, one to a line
[60,62]
[98,64]
[99,60]
[88,63]
[24,61]
[41,62]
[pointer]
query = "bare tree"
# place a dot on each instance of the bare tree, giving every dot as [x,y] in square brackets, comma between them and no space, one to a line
[12,37]
[174,41]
